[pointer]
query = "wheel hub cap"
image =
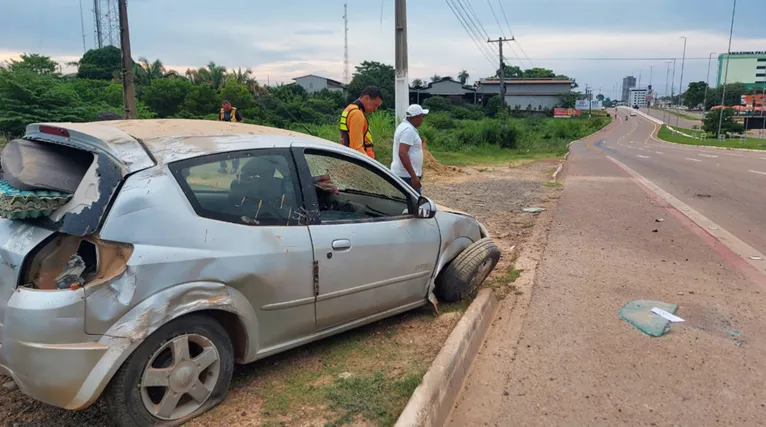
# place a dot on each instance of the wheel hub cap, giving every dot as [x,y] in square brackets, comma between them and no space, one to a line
[182,377]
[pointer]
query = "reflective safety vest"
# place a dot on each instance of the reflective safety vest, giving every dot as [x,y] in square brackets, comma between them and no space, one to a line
[367,146]
[232,115]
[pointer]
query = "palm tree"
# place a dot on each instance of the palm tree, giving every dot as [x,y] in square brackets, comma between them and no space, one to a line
[435,78]
[213,75]
[240,76]
[418,84]
[463,76]
[145,72]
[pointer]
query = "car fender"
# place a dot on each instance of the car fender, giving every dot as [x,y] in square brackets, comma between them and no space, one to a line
[449,253]
[152,313]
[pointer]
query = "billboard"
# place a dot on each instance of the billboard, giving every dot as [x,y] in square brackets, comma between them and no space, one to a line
[582,104]
[565,112]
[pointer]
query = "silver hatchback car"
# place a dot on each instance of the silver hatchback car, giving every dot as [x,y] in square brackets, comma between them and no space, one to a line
[189,246]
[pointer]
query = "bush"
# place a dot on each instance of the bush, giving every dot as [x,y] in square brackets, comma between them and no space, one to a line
[437,103]
[440,120]
[493,107]
[473,112]
[502,133]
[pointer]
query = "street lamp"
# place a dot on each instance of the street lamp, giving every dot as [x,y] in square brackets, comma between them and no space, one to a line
[726,73]
[667,77]
[707,81]
[681,84]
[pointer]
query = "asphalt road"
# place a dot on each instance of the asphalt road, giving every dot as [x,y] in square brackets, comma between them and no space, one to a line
[565,358]
[726,186]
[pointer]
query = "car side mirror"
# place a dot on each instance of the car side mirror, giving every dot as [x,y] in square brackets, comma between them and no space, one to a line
[426,208]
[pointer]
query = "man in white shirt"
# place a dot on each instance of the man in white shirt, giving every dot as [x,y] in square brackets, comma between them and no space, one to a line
[407,160]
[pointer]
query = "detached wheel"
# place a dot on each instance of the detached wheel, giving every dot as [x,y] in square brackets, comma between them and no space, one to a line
[178,373]
[467,271]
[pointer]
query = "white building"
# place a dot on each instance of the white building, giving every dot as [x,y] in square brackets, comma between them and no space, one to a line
[637,97]
[313,83]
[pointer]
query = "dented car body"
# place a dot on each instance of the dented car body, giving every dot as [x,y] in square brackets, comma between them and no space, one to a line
[160,229]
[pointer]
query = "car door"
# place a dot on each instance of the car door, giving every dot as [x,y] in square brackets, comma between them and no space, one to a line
[372,253]
[249,202]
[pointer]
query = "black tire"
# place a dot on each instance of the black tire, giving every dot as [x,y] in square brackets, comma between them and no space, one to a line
[123,395]
[463,275]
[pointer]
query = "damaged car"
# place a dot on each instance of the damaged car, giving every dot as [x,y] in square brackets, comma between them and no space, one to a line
[141,260]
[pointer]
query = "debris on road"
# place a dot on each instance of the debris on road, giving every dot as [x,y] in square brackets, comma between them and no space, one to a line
[659,220]
[533,210]
[639,314]
[756,257]
[655,231]
[669,316]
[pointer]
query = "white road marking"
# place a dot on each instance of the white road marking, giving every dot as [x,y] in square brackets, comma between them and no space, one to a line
[759,173]
[659,152]
[707,155]
[694,160]
[643,157]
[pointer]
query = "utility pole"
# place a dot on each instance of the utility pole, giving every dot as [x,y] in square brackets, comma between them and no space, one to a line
[707,81]
[402,89]
[500,41]
[673,84]
[726,73]
[346,74]
[128,91]
[667,77]
[82,27]
[681,84]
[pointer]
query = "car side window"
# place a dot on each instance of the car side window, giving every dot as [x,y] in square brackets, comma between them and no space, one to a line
[348,191]
[253,188]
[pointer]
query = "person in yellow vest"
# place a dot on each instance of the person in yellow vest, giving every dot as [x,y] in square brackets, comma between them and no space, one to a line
[229,114]
[354,128]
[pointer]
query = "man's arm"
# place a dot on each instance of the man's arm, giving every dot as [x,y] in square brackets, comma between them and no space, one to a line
[355,123]
[405,143]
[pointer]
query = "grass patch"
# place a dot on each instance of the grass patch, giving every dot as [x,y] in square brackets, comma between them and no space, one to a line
[509,276]
[680,114]
[751,143]
[489,155]
[375,397]
[553,184]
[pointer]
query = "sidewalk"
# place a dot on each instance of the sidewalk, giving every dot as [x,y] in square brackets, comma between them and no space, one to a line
[569,360]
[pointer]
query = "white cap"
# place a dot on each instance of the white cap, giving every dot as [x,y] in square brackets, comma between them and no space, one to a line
[416,110]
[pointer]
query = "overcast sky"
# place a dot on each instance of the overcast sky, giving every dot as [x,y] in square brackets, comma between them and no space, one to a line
[280,40]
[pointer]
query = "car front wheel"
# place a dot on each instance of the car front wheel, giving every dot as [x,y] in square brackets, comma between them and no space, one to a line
[463,275]
[178,373]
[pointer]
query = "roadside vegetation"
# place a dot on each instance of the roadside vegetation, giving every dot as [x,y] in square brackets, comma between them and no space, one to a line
[457,132]
[678,113]
[751,143]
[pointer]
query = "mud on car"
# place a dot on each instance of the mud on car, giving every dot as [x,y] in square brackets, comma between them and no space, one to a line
[140,260]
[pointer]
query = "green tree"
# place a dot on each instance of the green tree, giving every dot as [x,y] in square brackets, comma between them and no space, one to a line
[463,76]
[237,94]
[200,101]
[370,73]
[695,94]
[100,64]
[213,75]
[437,103]
[728,125]
[510,71]
[34,63]
[568,100]
[734,92]
[600,97]
[144,71]
[165,96]
[538,73]
[418,84]
[435,78]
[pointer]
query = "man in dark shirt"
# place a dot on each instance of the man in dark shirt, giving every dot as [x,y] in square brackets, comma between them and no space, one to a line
[229,114]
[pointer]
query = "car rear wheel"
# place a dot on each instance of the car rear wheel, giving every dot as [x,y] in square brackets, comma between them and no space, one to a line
[178,373]
[467,271]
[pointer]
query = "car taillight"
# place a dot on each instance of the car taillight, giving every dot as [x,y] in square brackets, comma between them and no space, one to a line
[52,130]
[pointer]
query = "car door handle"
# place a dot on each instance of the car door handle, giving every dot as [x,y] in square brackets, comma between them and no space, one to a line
[341,244]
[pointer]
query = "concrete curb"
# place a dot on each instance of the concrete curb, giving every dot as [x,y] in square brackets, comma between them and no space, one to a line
[432,401]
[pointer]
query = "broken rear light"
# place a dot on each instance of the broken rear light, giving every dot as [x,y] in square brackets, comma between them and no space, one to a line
[52,130]
[71,262]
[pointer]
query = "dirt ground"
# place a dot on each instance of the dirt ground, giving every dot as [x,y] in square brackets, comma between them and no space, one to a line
[363,377]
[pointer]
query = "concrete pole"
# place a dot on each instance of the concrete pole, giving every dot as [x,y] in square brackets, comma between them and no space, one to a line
[667,77]
[402,94]
[128,91]
[726,73]
[681,84]
[500,41]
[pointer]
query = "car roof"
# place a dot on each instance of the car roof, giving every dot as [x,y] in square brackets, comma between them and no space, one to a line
[170,140]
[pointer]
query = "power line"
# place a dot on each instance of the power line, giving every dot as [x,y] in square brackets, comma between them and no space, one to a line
[469,33]
[512,36]
[616,59]
[501,30]
[472,25]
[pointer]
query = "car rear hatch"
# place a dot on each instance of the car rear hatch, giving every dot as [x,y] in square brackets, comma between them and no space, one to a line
[110,154]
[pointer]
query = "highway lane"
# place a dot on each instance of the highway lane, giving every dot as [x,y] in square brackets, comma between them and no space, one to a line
[727,186]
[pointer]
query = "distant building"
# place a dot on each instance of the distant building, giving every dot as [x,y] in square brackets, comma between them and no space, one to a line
[628,83]
[528,94]
[313,83]
[445,87]
[744,67]
[637,97]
